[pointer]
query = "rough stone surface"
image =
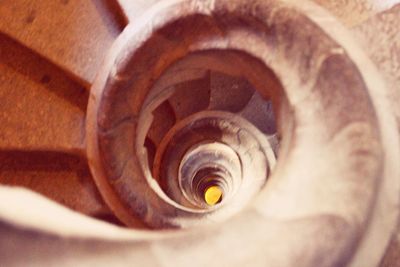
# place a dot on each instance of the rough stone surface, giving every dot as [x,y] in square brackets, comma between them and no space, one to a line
[381,39]
[354,12]
[73,34]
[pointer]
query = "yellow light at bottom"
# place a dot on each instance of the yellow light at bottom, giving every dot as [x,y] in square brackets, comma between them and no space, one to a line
[213,195]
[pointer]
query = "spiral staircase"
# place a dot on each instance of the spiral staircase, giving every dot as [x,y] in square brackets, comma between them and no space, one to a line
[199,133]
